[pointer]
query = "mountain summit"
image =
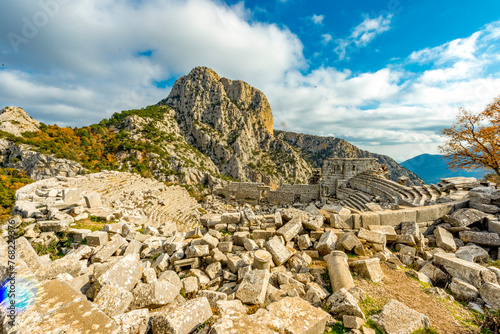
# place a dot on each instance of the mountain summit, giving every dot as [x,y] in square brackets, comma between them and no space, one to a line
[232,123]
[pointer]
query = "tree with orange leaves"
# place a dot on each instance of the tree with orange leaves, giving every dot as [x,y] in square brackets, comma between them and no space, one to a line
[474,140]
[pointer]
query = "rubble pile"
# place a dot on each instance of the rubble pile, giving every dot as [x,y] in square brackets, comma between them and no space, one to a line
[247,270]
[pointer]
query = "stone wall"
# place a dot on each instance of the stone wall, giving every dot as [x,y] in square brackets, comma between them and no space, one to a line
[337,172]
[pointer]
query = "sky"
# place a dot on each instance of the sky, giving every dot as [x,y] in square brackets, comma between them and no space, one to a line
[387,76]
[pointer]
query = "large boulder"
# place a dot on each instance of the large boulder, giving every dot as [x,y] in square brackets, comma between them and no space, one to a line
[397,318]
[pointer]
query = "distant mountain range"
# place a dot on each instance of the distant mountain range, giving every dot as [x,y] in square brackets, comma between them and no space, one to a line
[432,168]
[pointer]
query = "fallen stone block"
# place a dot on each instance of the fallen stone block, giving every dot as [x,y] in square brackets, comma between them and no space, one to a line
[154,295]
[290,229]
[93,200]
[435,274]
[465,217]
[299,316]
[125,273]
[133,322]
[327,243]
[480,238]
[338,270]
[352,322]
[113,300]
[109,249]
[182,319]
[472,253]
[97,238]
[252,289]
[490,293]
[278,251]
[349,241]
[53,225]
[372,236]
[463,291]
[343,303]
[369,268]
[469,272]
[397,318]
[444,240]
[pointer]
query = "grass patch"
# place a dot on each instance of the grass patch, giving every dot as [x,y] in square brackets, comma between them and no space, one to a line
[371,306]
[88,224]
[490,322]
[338,328]
[326,278]
[430,330]
[54,248]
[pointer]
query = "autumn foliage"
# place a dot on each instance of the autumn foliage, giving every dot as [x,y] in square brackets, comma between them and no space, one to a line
[10,180]
[474,140]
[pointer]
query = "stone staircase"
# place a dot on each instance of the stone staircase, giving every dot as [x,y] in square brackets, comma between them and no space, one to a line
[157,201]
[354,198]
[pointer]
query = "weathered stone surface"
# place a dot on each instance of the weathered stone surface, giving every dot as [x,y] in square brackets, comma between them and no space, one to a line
[444,240]
[490,293]
[372,236]
[327,243]
[343,303]
[113,300]
[472,253]
[53,225]
[181,319]
[352,322]
[154,294]
[197,251]
[463,291]
[338,270]
[369,268]
[349,241]
[212,296]
[464,217]
[410,228]
[434,273]
[60,309]
[253,288]
[93,200]
[469,272]
[290,229]
[278,251]
[397,318]
[481,238]
[133,322]
[235,320]
[299,316]
[109,249]
[125,273]
[97,238]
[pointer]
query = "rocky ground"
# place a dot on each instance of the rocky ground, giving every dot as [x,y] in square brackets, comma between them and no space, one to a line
[115,253]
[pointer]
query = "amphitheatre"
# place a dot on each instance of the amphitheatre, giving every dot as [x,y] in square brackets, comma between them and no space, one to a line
[344,247]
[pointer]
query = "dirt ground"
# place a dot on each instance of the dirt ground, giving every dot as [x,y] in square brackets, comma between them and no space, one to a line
[446,317]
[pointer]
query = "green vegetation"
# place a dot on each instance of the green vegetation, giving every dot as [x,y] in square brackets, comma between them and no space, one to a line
[54,248]
[490,322]
[88,224]
[10,181]
[430,330]
[371,306]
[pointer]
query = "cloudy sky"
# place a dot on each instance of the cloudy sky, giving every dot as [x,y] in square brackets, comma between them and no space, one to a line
[385,75]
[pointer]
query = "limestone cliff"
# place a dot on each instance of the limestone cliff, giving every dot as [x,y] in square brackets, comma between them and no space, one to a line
[232,123]
[316,149]
[16,121]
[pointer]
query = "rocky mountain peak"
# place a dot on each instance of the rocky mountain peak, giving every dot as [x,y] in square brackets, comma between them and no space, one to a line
[220,103]
[16,121]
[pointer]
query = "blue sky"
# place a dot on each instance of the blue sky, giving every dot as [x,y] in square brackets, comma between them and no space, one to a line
[385,75]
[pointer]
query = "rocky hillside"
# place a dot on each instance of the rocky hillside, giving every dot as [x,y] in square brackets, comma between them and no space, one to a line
[208,129]
[232,123]
[316,149]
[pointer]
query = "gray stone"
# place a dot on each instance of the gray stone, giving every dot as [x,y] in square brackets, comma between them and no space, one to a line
[338,270]
[343,303]
[326,243]
[290,229]
[133,322]
[97,238]
[469,272]
[113,300]
[252,289]
[71,195]
[444,239]
[93,200]
[369,268]
[372,236]
[463,291]
[481,238]
[490,293]
[109,249]
[154,294]
[397,318]
[464,217]
[472,253]
[278,251]
[125,273]
[182,319]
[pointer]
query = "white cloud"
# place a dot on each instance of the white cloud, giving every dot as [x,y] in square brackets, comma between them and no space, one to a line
[363,34]
[317,19]
[326,38]
[83,65]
